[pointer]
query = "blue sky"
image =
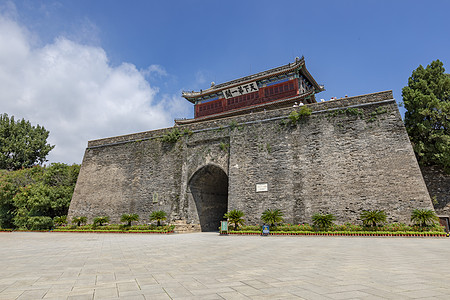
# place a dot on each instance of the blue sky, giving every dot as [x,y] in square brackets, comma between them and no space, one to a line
[92,69]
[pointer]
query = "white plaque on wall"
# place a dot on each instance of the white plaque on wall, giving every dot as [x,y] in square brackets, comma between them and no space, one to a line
[261,187]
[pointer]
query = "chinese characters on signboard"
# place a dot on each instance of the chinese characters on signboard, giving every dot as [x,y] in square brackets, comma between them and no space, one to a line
[241,90]
[261,187]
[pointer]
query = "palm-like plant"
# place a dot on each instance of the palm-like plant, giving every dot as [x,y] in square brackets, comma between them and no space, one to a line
[129,218]
[323,221]
[372,217]
[79,220]
[59,221]
[424,217]
[235,217]
[272,216]
[158,216]
[98,221]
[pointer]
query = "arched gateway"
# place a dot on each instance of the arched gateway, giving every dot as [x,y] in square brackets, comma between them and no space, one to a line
[209,188]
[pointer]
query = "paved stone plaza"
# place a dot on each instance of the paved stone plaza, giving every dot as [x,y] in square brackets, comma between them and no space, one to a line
[208,266]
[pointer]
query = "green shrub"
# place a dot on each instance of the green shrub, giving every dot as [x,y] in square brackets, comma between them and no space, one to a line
[39,223]
[249,228]
[187,132]
[323,221]
[224,146]
[235,217]
[99,221]
[297,115]
[158,216]
[120,228]
[171,136]
[372,217]
[272,216]
[79,220]
[129,218]
[233,124]
[60,221]
[424,217]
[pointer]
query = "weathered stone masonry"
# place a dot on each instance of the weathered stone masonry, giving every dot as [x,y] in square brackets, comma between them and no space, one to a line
[350,155]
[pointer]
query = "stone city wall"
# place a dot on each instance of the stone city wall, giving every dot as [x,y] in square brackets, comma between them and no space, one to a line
[349,155]
[438,183]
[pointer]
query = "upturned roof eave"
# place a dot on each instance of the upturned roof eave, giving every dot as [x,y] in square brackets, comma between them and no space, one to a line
[317,87]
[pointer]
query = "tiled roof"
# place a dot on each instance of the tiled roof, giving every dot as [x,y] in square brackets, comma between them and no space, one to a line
[299,62]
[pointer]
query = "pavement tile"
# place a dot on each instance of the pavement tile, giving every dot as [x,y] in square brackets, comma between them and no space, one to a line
[233,296]
[162,296]
[152,289]
[202,297]
[177,291]
[212,291]
[348,295]
[309,295]
[132,295]
[247,290]
[10,295]
[32,294]
[146,281]
[106,293]
[55,296]
[275,297]
[224,284]
[255,283]
[419,294]
[384,294]
[127,286]
[193,285]
[81,297]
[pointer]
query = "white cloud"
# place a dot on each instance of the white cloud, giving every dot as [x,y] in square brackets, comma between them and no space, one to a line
[154,70]
[73,91]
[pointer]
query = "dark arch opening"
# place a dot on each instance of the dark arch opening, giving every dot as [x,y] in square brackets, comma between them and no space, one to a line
[209,187]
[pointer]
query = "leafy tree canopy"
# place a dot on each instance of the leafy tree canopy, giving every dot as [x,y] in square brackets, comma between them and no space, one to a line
[21,144]
[427,119]
[35,192]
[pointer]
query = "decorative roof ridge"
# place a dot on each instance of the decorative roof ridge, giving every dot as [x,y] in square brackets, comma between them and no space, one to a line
[297,63]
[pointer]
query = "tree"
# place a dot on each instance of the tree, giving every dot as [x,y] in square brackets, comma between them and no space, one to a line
[235,217]
[21,144]
[323,221]
[158,216]
[424,217]
[372,217]
[79,220]
[99,221]
[129,218]
[272,216]
[36,191]
[427,116]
